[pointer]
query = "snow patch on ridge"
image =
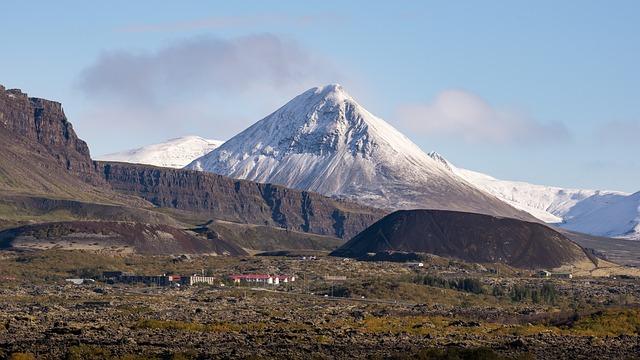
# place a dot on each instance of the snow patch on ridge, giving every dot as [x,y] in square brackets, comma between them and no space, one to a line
[173,153]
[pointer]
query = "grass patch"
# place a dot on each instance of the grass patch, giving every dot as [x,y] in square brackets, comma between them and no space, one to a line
[186,326]
[425,325]
[22,356]
[608,323]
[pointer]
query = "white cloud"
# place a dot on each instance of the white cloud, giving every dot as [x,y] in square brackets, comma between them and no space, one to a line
[203,64]
[206,86]
[466,116]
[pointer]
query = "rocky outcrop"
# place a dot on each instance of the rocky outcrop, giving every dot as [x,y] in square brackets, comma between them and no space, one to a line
[43,121]
[223,198]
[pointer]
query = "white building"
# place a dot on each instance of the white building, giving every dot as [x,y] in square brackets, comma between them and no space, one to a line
[199,279]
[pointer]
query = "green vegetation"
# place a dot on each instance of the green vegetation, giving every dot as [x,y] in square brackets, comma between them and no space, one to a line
[22,356]
[187,326]
[80,352]
[612,322]
[219,327]
[546,294]
[471,285]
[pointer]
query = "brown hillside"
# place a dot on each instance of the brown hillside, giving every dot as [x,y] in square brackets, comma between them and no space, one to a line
[141,238]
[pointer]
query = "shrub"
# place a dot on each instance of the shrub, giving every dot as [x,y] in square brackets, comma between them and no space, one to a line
[471,285]
[81,352]
[22,356]
[546,294]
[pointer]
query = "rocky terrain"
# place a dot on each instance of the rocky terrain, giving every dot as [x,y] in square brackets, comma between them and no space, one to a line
[445,309]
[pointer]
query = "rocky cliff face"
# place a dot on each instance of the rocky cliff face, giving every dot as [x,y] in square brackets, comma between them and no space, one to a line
[44,122]
[242,201]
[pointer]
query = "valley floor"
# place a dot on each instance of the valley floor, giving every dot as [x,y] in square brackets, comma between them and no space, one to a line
[445,309]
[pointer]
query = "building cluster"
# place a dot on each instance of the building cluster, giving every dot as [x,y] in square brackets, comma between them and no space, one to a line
[180,280]
[158,280]
[261,279]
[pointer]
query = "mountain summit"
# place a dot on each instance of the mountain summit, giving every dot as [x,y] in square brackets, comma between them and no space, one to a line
[324,141]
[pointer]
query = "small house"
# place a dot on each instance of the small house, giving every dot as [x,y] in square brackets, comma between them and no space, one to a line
[544,273]
[79,281]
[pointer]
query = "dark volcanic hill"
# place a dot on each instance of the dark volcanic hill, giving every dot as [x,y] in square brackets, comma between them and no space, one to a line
[141,238]
[466,236]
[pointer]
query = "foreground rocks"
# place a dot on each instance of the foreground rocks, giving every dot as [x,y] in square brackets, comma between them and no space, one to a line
[385,315]
[204,323]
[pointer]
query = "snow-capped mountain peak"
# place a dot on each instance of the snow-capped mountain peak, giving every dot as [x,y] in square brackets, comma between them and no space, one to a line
[174,153]
[323,140]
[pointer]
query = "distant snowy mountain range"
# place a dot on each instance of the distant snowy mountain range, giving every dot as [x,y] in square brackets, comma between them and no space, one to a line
[596,212]
[324,141]
[173,153]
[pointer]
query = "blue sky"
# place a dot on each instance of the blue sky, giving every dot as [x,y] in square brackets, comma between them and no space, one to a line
[546,92]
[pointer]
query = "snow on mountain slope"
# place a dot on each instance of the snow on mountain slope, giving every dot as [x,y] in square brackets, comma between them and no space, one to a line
[612,215]
[324,141]
[173,153]
[596,212]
